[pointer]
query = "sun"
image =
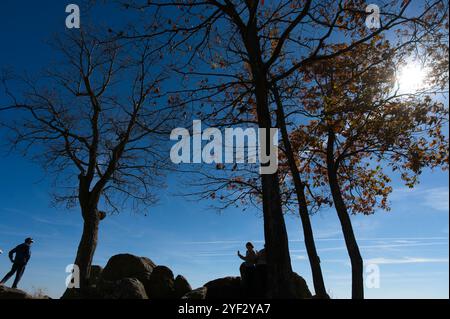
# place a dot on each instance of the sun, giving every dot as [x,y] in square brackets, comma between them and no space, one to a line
[412,78]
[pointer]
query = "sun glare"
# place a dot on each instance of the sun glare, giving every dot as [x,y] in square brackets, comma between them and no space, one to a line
[411,78]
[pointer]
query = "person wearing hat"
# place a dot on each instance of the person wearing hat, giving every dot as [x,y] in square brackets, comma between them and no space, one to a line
[22,254]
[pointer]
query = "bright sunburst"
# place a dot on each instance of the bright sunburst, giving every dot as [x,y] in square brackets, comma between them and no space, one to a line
[412,78]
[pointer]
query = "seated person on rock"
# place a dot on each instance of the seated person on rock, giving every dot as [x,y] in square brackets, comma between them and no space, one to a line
[247,268]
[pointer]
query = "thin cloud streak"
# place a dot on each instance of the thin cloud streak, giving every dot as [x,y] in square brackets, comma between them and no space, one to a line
[436,198]
[406,260]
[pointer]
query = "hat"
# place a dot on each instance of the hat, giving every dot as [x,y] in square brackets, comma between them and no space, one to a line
[29,240]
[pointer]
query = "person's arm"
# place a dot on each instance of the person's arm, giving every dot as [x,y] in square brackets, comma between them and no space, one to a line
[28,256]
[242,257]
[11,253]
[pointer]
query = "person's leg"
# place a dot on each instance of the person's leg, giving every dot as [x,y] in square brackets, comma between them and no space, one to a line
[10,274]
[20,270]
[251,281]
[244,277]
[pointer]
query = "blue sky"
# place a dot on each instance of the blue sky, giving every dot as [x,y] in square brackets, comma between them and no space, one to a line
[409,244]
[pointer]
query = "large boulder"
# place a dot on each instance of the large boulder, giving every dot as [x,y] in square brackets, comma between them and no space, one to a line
[197,294]
[127,288]
[10,293]
[301,290]
[96,274]
[161,284]
[224,288]
[231,288]
[181,286]
[78,294]
[128,266]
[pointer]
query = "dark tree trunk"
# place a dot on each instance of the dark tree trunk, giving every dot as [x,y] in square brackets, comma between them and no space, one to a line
[346,224]
[91,219]
[277,247]
[87,245]
[314,260]
[279,281]
[278,257]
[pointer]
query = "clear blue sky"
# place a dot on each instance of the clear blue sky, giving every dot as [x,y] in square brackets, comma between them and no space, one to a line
[410,243]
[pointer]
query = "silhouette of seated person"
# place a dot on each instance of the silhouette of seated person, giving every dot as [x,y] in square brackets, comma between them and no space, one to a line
[247,268]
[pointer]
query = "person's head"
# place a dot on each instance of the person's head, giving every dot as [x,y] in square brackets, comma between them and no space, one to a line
[29,241]
[249,246]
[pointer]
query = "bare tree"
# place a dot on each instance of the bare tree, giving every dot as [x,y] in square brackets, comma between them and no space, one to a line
[98,122]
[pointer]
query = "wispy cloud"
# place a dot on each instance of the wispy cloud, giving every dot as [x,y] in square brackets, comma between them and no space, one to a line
[399,240]
[436,198]
[406,260]
[300,257]
[381,246]
[60,223]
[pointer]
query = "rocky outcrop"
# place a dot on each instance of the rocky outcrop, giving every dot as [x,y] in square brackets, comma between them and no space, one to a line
[224,288]
[182,286]
[127,288]
[301,289]
[91,292]
[232,288]
[161,284]
[197,294]
[130,277]
[10,293]
[128,266]
[96,274]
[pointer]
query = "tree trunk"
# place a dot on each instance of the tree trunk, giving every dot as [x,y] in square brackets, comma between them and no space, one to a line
[279,281]
[87,245]
[91,219]
[277,245]
[314,260]
[346,224]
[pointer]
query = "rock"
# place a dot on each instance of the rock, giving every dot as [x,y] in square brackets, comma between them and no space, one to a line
[77,294]
[182,286]
[301,289]
[128,266]
[161,284]
[197,294]
[10,293]
[224,288]
[96,273]
[231,288]
[127,288]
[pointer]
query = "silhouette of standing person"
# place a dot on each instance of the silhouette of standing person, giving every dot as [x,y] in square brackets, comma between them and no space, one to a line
[22,256]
